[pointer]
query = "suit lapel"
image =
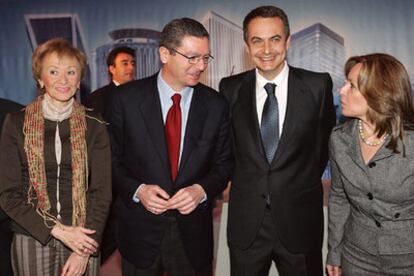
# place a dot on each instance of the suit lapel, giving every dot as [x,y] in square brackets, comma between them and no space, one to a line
[150,109]
[195,123]
[297,103]
[246,110]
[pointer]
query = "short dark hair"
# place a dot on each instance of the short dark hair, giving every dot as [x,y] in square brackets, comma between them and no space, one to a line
[174,32]
[110,60]
[266,12]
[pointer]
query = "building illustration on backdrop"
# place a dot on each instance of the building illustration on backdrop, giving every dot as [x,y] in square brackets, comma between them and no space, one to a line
[318,48]
[227,47]
[143,41]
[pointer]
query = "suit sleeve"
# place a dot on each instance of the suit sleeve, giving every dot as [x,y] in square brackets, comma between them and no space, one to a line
[125,183]
[13,198]
[215,181]
[99,190]
[327,120]
[338,213]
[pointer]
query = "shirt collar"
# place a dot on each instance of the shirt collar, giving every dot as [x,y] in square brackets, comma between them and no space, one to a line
[278,80]
[116,83]
[167,92]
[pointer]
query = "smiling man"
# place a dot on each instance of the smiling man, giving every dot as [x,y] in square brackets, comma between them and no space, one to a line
[281,120]
[121,69]
[171,150]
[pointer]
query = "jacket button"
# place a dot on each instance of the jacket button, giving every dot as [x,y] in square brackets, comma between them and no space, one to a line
[370,196]
[372,164]
[397,215]
[377,223]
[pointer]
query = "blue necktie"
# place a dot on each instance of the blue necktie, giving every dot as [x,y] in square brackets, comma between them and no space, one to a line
[269,127]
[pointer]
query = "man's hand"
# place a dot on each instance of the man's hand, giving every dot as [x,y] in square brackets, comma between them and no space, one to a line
[187,199]
[333,270]
[154,199]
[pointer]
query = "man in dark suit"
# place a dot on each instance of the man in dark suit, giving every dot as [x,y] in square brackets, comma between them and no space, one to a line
[171,154]
[281,120]
[6,235]
[121,68]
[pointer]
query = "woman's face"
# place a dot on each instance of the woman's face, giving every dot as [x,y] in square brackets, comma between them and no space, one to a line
[353,103]
[60,76]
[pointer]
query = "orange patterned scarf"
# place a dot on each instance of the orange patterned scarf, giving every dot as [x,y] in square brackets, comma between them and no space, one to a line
[33,130]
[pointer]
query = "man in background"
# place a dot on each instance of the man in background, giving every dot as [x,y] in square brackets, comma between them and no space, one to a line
[6,235]
[121,68]
[281,120]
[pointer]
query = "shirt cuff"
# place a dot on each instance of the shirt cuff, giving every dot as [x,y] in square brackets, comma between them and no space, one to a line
[204,198]
[134,197]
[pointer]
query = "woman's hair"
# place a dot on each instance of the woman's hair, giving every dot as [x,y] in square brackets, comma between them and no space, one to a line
[384,83]
[60,47]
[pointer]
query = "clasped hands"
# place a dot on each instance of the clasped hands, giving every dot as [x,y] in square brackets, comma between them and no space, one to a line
[78,240]
[157,201]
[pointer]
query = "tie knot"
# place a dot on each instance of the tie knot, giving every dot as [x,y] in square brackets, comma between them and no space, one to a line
[176,98]
[270,88]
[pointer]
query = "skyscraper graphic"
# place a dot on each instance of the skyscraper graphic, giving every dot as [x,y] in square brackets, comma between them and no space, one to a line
[42,27]
[227,47]
[143,41]
[320,49]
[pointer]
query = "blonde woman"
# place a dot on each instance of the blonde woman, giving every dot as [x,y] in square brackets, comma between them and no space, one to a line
[55,171]
[371,204]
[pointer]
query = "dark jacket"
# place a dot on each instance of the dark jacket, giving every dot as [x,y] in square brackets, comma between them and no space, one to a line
[293,179]
[14,176]
[140,155]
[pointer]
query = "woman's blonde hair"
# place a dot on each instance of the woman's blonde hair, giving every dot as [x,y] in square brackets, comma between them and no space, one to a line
[385,84]
[60,47]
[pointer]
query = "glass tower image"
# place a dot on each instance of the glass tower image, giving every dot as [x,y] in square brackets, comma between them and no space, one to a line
[227,47]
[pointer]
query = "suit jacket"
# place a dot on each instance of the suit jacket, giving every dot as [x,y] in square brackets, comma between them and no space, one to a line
[100,98]
[6,106]
[14,173]
[293,180]
[140,155]
[370,206]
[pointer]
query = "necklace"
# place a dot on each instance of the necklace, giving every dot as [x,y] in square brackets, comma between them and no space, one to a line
[365,140]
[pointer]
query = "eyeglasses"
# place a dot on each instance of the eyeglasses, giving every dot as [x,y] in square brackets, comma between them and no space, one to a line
[196,59]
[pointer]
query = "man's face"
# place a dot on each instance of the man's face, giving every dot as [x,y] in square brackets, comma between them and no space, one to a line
[124,69]
[177,71]
[267,45]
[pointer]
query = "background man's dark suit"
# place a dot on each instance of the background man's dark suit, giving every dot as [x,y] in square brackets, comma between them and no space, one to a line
[293,179]
[140,155]
[99,99]
[6,234]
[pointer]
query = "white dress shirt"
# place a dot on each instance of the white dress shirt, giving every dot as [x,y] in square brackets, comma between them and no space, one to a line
[281,92]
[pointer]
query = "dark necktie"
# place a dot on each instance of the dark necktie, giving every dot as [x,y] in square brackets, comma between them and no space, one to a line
[269,127]
[173,134]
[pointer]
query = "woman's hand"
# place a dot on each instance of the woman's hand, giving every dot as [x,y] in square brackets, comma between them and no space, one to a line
[333,270]
[75,265]
[76,238]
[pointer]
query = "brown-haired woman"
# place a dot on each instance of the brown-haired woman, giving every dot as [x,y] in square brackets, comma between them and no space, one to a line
[371,203]
[55,171]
